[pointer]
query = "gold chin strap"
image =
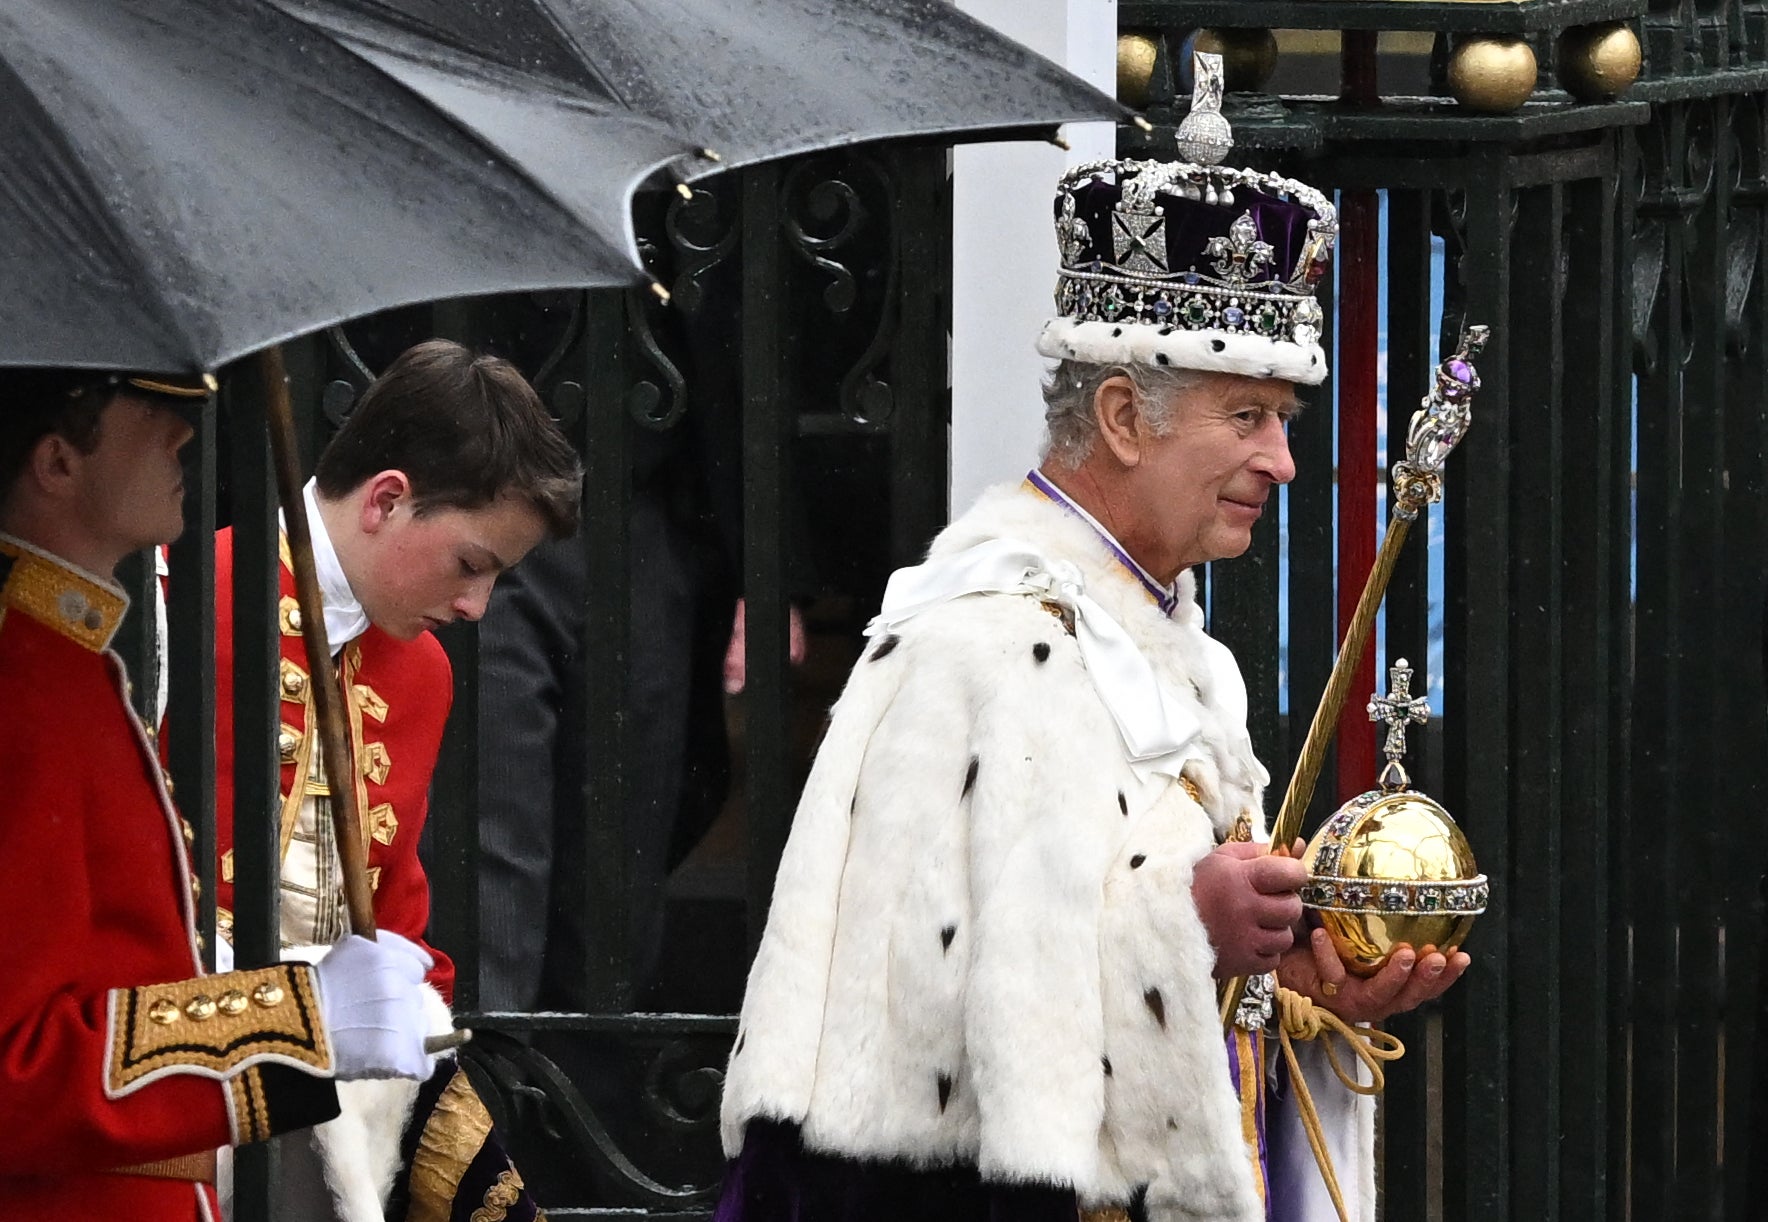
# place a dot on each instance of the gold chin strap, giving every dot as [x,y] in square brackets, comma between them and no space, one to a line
[1298,1018]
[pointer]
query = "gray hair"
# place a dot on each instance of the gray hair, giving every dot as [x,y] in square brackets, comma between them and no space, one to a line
[1069,391]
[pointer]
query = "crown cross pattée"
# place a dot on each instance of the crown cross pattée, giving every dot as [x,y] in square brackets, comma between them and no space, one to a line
[1240,256]
[1141,243]
[1398,709]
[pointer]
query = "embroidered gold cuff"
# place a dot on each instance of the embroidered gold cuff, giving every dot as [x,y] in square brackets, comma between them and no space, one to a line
[216,1026]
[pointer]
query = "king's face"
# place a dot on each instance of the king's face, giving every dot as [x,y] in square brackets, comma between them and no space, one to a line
[1204,484]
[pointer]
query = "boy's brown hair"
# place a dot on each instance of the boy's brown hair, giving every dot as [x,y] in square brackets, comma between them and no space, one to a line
[465,428]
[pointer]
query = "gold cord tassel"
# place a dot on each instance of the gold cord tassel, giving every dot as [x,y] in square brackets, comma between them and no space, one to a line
[1298,1018]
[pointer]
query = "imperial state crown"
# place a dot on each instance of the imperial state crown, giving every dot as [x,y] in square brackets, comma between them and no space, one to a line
[1191,263]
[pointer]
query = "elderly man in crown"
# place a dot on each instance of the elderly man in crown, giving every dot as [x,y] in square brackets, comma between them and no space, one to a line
[1026,856]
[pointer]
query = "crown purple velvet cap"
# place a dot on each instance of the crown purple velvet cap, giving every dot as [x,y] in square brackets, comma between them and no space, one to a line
[1197,267]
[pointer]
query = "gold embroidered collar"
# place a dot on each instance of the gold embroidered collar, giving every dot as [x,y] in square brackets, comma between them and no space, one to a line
[83,607]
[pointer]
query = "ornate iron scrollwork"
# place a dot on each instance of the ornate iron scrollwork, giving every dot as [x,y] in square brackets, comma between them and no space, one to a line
[547,1120]
[840,200]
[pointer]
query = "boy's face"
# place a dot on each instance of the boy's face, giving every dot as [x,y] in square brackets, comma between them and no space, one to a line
[419,571]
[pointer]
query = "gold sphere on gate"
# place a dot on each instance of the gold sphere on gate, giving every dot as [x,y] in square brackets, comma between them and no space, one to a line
[1136,55]
[1249,57]
[1491,73]
[1597,63]
[1390,867]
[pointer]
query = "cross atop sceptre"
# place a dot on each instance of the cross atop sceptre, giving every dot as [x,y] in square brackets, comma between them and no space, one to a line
[1398,709]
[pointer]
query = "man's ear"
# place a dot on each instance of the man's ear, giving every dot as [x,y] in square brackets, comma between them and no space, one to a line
[1119,416]
[382,497]
[54,466]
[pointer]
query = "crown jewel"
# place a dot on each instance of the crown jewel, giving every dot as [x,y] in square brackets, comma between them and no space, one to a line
[1190,263]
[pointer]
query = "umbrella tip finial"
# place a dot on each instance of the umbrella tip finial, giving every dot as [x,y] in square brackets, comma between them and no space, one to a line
[710,155]
[686,192]
[1142,123]
[1057,139]
[661,292]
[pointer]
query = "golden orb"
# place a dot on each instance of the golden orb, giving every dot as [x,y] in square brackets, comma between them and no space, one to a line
[1136,54]
[1391,867]
[1248,56]
[1494,74]
[1596,63]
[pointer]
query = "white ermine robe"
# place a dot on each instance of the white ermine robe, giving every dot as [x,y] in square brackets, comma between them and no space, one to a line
[982,946]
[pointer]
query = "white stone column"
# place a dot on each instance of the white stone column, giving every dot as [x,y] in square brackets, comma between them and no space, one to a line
[1004,248]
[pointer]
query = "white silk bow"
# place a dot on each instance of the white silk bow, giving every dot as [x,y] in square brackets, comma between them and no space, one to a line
[1156,729]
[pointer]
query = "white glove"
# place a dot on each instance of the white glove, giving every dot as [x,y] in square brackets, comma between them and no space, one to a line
[371,996]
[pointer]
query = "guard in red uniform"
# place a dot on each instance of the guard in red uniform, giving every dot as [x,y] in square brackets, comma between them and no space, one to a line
[447,472]
[122,1066]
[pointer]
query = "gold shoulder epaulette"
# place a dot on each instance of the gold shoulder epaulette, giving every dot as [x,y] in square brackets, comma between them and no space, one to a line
[68,600]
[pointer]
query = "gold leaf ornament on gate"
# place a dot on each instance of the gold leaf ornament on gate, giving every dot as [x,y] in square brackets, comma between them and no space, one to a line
[1390,867]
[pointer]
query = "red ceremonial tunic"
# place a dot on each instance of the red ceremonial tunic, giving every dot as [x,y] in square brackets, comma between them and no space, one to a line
[97,885]
[397,695]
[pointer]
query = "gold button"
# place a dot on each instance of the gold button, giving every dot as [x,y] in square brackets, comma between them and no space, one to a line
[189,831]
[232,1002]
[268,995]
[293,684]
[196,888]
[172,792]
[288,741]
[164,1012]
[201,1007]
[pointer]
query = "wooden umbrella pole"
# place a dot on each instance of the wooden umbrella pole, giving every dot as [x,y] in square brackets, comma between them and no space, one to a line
[334,737]
[1437,427]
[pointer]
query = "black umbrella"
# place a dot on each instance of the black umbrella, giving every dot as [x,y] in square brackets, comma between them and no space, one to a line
[759,79]
[189,180]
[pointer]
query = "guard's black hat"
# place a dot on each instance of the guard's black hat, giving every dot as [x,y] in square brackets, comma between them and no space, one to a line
[39,389]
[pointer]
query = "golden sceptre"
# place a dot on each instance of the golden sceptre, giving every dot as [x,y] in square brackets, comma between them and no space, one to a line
[1436,428]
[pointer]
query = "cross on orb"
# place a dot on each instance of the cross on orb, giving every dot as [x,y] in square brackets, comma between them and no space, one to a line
[1398,709]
